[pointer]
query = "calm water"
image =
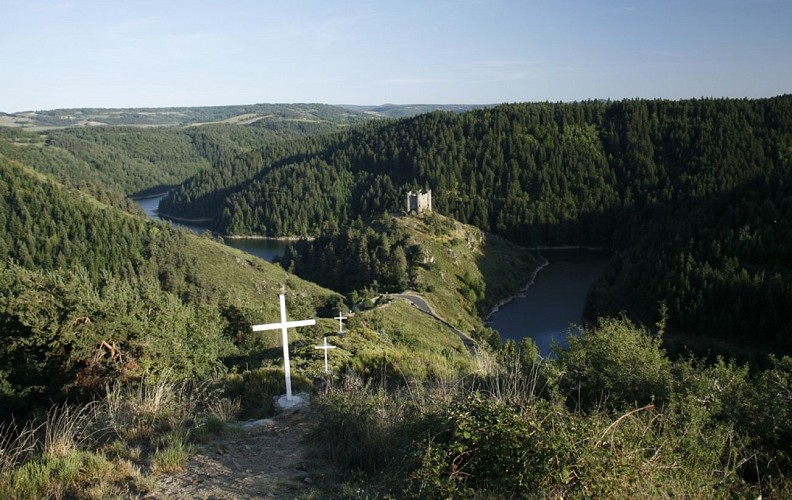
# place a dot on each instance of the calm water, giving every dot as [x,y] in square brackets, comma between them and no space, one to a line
[264,249]
[555,301]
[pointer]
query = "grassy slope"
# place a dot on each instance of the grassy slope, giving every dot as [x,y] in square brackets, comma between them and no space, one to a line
[419,344]
[458,249]
[393,340]
[396,337]
[251,285]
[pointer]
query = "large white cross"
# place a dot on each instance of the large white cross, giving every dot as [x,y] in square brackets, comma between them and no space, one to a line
[325,347]
[283,326]
[340,319]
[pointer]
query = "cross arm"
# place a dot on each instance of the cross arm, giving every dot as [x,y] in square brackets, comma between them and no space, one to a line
[288,324]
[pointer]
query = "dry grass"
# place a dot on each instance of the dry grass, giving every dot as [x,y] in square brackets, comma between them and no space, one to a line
[225,409]
[73,453]
[16,444]
[69,428]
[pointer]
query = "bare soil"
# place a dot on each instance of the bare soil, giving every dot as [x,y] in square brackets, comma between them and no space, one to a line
[271,462]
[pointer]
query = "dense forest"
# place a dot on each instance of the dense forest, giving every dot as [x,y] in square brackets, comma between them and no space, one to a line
[137,161]
[378,255]
[104,308]
[584,172]
[76,273]
[694,191]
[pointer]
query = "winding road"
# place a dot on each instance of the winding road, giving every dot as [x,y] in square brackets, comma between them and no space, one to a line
[424,307]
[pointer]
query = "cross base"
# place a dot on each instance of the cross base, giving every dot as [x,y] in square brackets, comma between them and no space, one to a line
[293,402]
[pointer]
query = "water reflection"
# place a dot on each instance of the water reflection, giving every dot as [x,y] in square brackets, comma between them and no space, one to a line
[266,249]
[555,301]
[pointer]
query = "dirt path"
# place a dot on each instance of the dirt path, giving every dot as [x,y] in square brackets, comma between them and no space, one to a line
[270,462]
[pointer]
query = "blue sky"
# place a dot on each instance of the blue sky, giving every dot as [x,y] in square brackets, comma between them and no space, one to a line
[113,53]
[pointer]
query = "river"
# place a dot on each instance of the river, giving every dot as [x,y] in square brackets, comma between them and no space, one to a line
[263,248]
[555,301]
[543,312]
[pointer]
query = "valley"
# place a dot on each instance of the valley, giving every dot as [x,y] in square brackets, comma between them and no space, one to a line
[138,330]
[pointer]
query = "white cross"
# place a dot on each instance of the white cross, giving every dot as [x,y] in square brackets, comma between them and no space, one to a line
[340,319]
[325,347]
[283,326]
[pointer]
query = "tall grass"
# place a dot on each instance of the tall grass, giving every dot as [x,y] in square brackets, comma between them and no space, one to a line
[15,444]
[100,449]
[69,428]
[172,454]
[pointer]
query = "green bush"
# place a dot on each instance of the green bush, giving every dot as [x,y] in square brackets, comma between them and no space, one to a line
[50,476]
[484,446]
[615,364]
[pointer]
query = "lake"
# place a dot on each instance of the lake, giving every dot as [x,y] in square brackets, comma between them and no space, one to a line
[263,248]
[555,301]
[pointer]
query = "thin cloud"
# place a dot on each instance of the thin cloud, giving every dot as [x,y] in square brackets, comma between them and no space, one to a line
[502,70]
[319,33]
[413,81]
[672,55]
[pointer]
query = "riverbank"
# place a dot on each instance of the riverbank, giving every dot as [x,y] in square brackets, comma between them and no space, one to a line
[149,196]
[271,238]
[519,293]
[203,220]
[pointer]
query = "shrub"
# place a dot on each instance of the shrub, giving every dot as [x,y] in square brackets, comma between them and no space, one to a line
[70,475]
[484,446]
[358,424]
[616,364]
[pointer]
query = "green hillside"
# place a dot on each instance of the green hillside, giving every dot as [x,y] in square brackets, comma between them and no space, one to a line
[460,270]
[78,276]
[241,114]
[146,329]
[592,173]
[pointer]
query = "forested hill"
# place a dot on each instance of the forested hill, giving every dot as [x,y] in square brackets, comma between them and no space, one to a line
[137,161]
[607,173]
[75,273]
[550,173]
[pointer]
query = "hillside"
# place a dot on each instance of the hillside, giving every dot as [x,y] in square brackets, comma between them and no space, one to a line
[459,270]
[591,173]
[133,161]
[565,173]
[76,273]
[146,331]
[407,110]
[260,114]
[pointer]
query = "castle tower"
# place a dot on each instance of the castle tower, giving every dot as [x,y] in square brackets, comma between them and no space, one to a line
[419,201]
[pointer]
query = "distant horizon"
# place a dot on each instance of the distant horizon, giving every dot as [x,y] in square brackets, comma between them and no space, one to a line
[476,104]
[71,54]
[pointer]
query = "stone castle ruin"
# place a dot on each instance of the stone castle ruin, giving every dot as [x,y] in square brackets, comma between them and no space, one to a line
[419,201]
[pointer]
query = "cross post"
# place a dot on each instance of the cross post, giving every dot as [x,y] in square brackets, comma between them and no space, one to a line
[326,348]
[340,319]
[283,326]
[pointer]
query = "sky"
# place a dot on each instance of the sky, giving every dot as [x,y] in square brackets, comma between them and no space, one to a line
[141,53]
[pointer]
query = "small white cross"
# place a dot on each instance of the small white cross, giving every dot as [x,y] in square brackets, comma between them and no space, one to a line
[340,319]
[283,326]
[325,347]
